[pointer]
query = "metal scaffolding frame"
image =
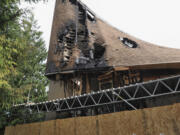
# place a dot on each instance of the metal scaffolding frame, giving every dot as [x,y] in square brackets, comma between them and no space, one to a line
[127,95]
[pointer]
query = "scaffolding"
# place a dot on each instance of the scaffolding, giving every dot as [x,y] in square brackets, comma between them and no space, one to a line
[109,100]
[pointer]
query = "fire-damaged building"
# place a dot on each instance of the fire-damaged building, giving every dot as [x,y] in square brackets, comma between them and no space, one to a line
[104,81]
[86,54]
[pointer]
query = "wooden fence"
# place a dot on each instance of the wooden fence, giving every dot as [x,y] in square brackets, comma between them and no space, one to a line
[163,120]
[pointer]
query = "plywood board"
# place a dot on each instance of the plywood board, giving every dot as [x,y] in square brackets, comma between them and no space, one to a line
[107,124]
[176,119]
[66,126]
[160,120]
[9,130]
[122,123]
[21,129]
[47,128]
[129,122]
[34,129]
[86,126]
[58,127]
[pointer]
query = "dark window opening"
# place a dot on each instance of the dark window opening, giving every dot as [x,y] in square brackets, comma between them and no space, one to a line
[98,51]
[94,85]
[127,77]
[84,83]
[73,1]
[128,42]
[105,81]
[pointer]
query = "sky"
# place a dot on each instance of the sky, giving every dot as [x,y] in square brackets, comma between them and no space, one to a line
[155,21]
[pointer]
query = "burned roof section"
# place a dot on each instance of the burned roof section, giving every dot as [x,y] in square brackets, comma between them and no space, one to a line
[82,41]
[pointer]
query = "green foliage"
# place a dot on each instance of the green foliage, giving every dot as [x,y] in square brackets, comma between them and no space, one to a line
[22,62]
[8,51]
[30,78]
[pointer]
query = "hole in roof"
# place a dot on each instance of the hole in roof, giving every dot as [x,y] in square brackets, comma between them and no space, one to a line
[128,42]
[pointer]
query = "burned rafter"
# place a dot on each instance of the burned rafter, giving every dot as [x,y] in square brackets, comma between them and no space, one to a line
[74,34]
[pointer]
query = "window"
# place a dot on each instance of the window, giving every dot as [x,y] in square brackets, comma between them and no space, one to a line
[129,43]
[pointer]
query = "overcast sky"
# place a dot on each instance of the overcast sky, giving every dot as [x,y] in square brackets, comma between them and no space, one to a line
[155,21]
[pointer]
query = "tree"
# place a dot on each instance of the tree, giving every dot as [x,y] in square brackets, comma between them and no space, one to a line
[22,60]
[10,11]
[31,65]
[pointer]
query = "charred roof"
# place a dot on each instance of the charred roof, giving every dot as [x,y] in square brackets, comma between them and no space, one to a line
[82,41]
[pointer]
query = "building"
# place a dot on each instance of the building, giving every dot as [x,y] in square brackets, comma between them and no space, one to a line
[87,54]
[86,57]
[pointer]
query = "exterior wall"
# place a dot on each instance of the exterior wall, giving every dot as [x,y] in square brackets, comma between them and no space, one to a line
[163,120]
[153,74]
[94,82]
[56,90]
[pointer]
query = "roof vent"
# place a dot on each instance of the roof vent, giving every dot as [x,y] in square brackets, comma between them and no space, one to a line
[90,15]
[128,42]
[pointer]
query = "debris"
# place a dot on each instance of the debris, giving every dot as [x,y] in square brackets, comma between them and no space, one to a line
[82,60]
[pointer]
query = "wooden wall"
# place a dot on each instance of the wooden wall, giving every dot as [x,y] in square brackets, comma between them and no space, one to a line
[56,90]
[163,120]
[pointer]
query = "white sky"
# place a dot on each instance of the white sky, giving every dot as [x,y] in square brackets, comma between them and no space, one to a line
[155,21]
